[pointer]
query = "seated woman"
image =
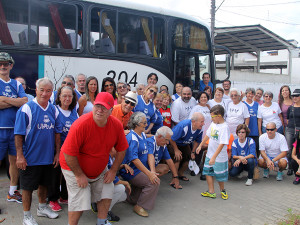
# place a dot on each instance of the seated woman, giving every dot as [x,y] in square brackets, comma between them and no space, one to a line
[244,154]
[296,160]
[144,181]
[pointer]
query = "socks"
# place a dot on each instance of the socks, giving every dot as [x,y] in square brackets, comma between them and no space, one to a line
[42,205]
[100,221]
[27,213]
[12,189]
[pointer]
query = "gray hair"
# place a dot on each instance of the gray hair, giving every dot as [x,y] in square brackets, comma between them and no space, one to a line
[248,90]
[268,93]
[138,85]
[121,82]
[70,77]
[235,89]
[260,89]
[135,120]
[196,116]
[43,80]
[163,131]
[80,74]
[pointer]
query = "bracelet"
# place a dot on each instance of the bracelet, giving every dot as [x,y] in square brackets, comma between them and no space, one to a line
[177,177]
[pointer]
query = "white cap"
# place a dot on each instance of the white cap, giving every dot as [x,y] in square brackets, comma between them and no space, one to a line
[193,166]
[132,97]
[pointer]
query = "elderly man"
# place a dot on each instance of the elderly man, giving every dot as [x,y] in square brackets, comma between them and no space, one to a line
[80,81]
[84,157]
[121,90]
[157,145]
[181,107]
[140,89]
[12,96]
[37,138]
[273,149]
[123,111]
[184,133]
[206,82]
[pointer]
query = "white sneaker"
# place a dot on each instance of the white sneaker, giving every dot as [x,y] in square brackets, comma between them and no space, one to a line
[46,212]
[249,182]
[240,176]
[29,220]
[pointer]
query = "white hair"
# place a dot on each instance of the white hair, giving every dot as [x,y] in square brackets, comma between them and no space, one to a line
[235,89]
[43,80]
[163,131]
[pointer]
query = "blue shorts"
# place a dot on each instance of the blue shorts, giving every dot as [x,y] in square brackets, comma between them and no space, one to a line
[7,143]
[218,170]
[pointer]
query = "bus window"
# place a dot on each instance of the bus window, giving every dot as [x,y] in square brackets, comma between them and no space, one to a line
[186,69]
[135,34]
[103,31]
[159,37]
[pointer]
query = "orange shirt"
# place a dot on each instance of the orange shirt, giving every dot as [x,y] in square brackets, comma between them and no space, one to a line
[117,112]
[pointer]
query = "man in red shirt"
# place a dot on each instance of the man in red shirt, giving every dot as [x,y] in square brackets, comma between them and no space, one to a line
[84,157]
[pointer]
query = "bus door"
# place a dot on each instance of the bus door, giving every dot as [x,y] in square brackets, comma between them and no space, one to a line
[189,67]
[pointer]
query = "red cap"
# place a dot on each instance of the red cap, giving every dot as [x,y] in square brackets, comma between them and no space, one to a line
[105,99]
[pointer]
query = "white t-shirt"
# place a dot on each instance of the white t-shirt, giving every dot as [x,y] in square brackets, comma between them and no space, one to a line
[181,110]
[206,113]
[273,147]
[236,114]
[269,114]
[218,134]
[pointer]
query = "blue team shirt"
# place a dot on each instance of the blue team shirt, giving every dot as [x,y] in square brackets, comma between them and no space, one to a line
[11,89]
[159,152]
[39,126]
[249,148]
[109,164]
[137,150]
[253,119]
[66,122]
[148,109]
[202,86]
[78,94]
[183,134]
[158,121]
[175,96]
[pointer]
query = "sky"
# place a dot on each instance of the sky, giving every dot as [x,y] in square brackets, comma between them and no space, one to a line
[280,16]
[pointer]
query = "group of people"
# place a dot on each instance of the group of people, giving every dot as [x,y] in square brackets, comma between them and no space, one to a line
[87,147]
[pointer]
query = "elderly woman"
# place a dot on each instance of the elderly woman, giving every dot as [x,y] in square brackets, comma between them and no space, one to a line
[144,181]
[252,108]
[146,106]
[109,85]
[157,101]
[66,101]
[86,101]
[237,112]
[243,154]
[258,94]
[269,112]
[218,99]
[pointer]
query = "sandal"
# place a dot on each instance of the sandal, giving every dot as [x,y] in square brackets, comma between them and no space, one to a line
[173,186]
[183,178]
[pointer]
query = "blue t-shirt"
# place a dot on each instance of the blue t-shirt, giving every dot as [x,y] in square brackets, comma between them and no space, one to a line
[202,86]
[175,96]
[158,121]
[39,126]
[159,152]
[253,118]
[78,94]
[249,148]
[148,109]
[184,135]
[11,89]
[137,150]
[66,121]
[109,164]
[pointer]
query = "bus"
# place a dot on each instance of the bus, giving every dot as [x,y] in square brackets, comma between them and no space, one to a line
[104,38]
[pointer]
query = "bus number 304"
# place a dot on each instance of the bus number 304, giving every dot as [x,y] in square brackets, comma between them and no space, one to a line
[123,76]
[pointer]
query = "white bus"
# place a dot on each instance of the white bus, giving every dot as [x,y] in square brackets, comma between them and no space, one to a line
[103,38]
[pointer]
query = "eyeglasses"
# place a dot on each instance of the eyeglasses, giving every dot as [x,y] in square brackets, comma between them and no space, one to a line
[295,96]
[123,86]
[65,82]
[5,64]
[241,132]
[267,96]
[233,95]
[152,91]
[101,107]
[270,129]
[129,102]
[108,85]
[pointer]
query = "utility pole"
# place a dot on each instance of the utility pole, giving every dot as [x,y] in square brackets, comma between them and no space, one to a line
[212,21]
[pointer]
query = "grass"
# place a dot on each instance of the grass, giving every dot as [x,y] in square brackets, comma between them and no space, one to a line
[292,218]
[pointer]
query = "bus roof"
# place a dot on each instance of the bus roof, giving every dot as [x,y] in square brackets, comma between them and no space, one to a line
[148,8]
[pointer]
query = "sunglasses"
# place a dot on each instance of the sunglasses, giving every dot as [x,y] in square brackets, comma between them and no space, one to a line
[129,102]
[5,64]
[122,87]
[108,85]
[68,83]
[295,95]
[152,91]
[272,129]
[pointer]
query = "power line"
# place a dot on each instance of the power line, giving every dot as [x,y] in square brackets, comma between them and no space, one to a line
[282,3]
[273,21]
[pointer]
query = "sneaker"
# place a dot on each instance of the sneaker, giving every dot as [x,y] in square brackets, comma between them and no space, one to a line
[94,207]
[29,220]
[55,206]
[290,172]
[16,197]
[279,176]
[224,194]
[208,194]
[297,180]
[112,217]
[192,173]
[249,182]
[266,173]
[63,201]
[107,223]
[46,212]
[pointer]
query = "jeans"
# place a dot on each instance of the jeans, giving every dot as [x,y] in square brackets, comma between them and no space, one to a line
[290,139]
[247,167]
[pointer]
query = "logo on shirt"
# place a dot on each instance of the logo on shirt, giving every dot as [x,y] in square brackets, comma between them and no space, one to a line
[8,92]
[234,110]
[45,125]
[214,134]
[67,126]
[146,111]
[188,108]
[46,119]
[7,89]
[145,151]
